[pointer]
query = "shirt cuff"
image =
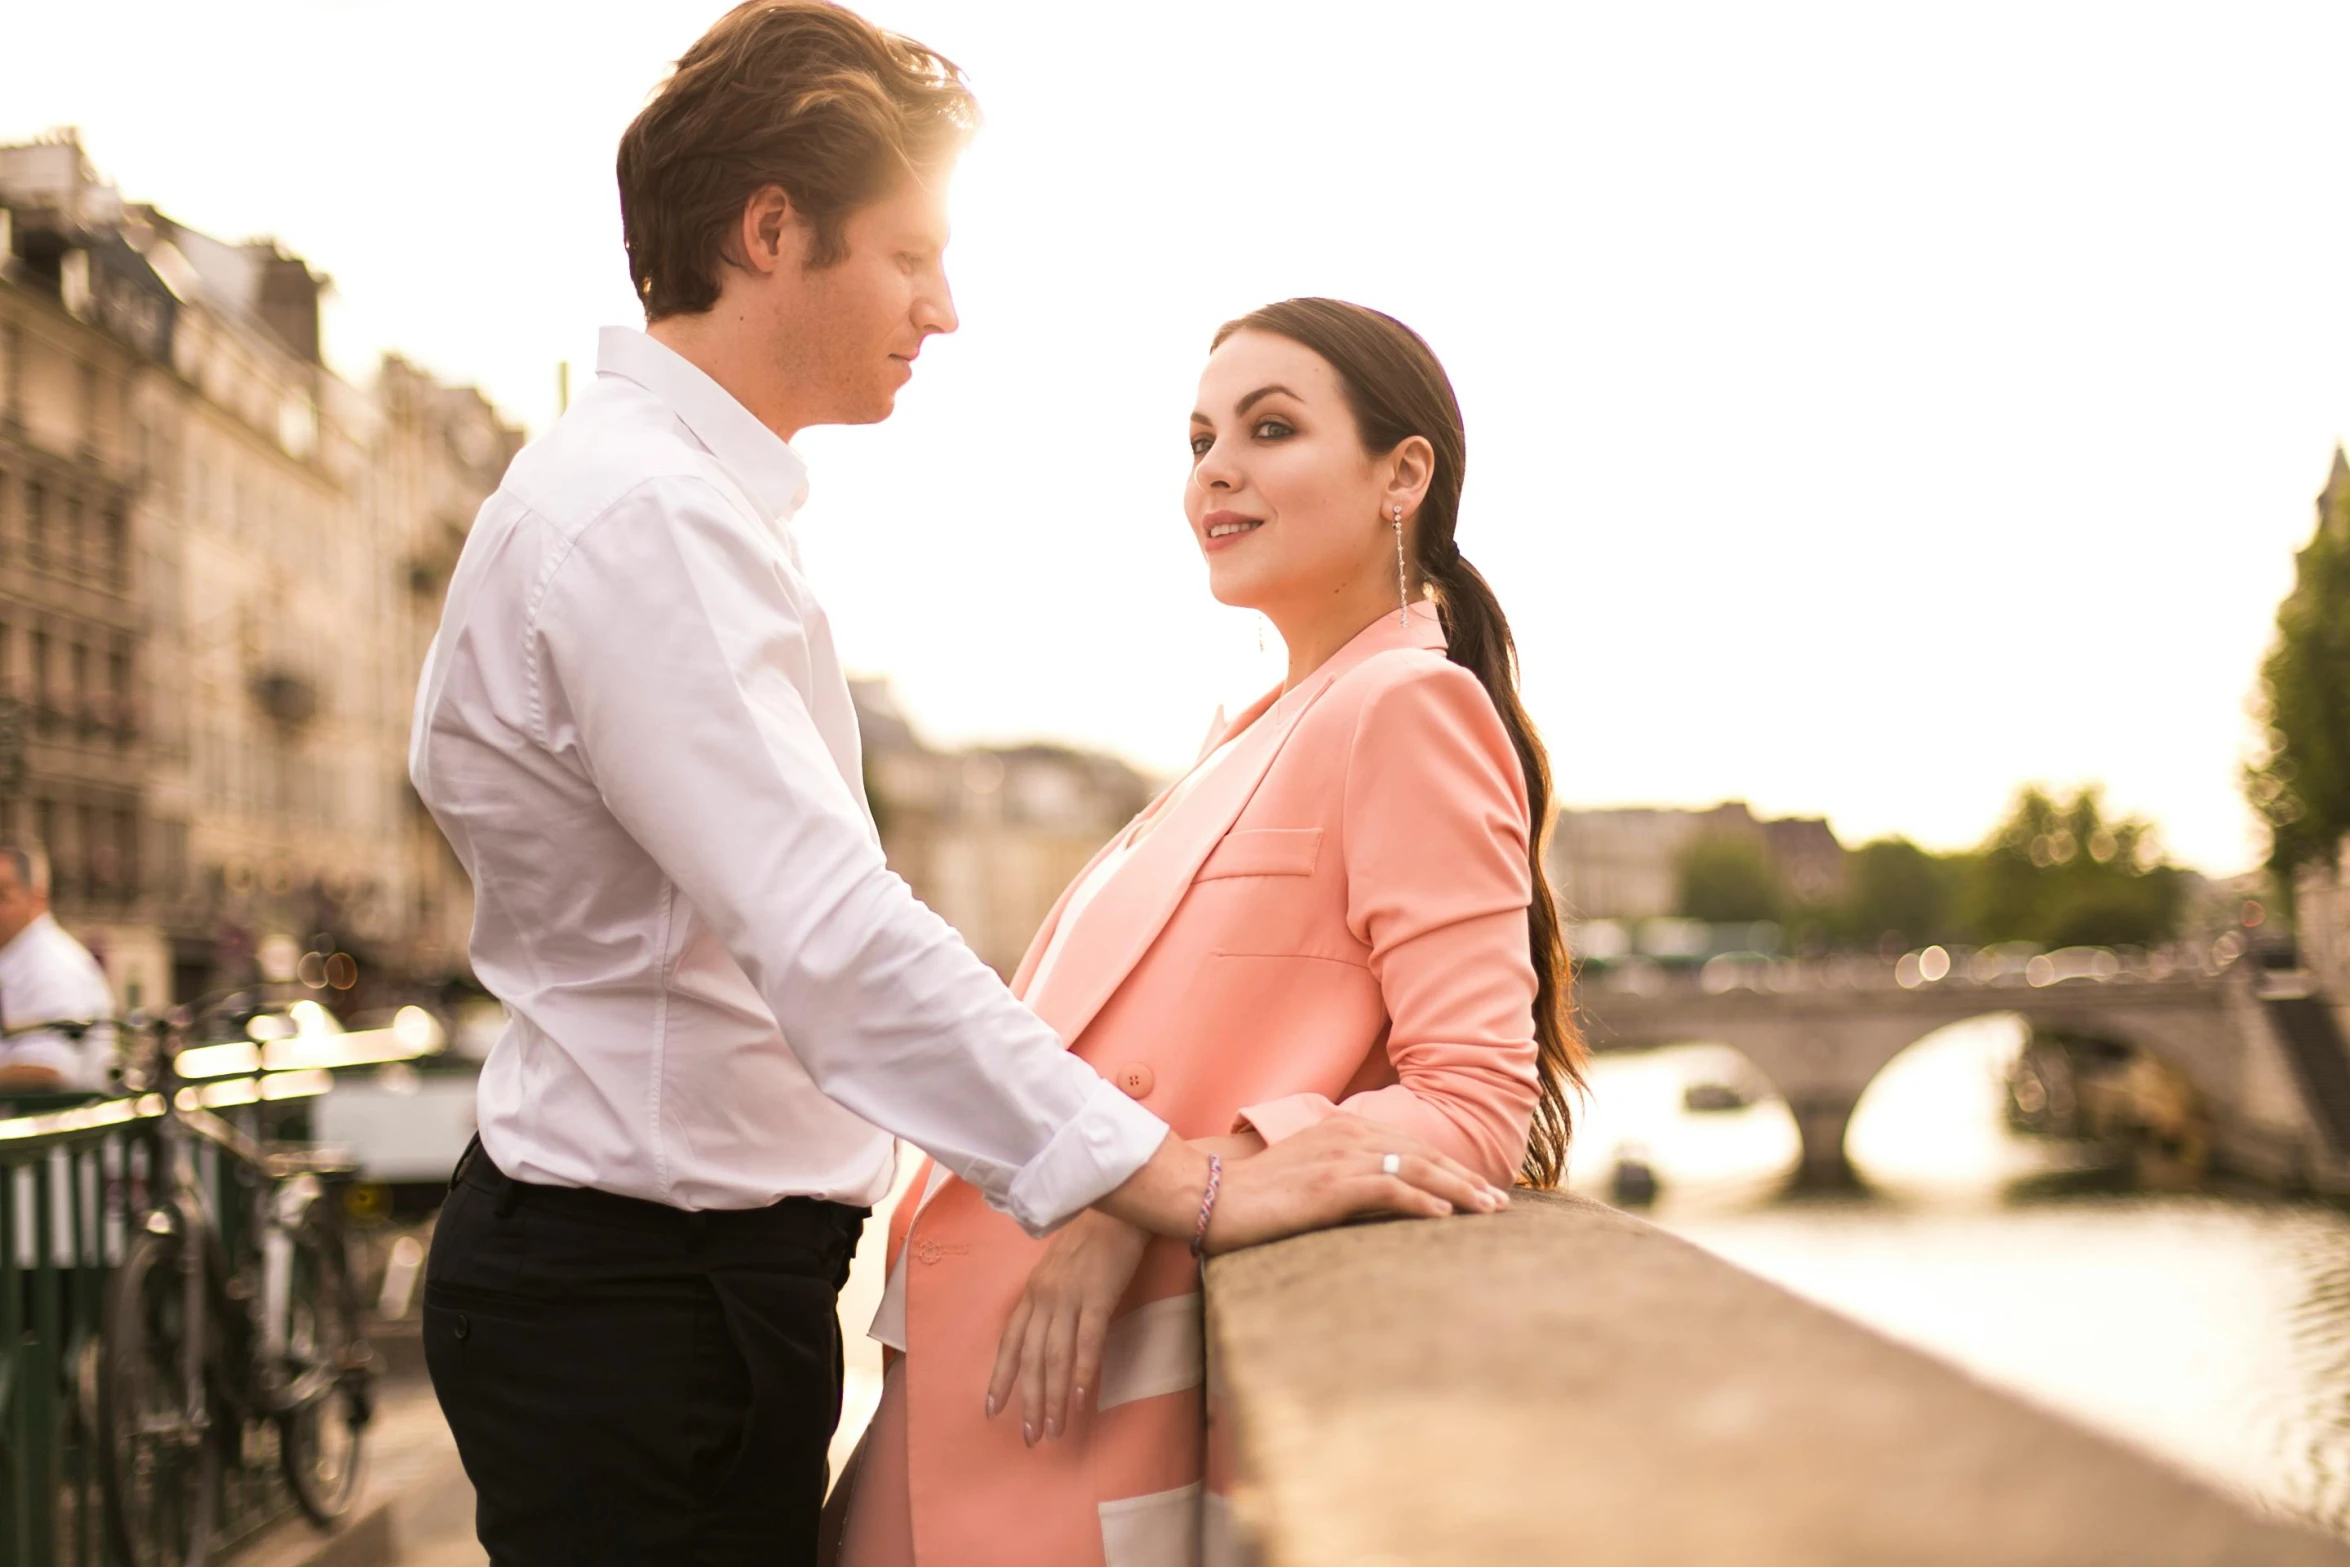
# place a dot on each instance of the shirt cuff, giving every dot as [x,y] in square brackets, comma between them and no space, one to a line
[1277,1119]
[1104,1143]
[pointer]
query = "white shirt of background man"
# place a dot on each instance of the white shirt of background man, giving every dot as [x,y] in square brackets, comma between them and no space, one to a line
[634,729]
[48,977]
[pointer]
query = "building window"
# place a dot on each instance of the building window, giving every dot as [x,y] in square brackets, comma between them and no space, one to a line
[118,548]
[73,551]
[36,522]
[118,693]
[96,854]
[42,696]
[45,829]
[126,850]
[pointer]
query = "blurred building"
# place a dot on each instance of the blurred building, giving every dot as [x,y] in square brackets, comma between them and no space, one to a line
[989,837]
[437,454]
[220,562]
[1625,864]
[73,743]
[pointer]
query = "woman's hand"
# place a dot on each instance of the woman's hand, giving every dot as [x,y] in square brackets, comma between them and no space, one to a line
[1052,1347]
[1337,1170]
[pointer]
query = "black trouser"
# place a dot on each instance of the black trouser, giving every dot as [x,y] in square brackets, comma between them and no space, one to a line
[630,1383]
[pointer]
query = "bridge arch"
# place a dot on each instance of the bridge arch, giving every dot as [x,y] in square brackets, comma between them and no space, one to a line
[1823,1047]
[1817,1066]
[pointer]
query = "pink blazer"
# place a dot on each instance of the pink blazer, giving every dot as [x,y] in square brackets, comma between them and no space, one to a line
[1333,920]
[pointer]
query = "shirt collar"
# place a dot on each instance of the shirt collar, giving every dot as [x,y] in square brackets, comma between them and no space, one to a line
[761,461]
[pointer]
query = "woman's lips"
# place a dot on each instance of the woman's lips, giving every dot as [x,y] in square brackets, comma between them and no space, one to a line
[1222,529]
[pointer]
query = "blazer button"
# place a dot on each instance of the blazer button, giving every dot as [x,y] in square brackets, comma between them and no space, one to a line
[1137,1079]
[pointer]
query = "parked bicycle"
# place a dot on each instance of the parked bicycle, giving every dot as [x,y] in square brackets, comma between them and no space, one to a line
[218,1323]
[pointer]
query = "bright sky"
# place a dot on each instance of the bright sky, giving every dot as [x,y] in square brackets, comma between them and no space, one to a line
[1871,407]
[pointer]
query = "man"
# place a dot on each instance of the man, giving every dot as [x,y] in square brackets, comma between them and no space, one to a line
[635,732]
[46,979]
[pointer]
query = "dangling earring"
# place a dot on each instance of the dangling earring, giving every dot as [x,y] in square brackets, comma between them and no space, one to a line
[1260,633]
[1403,592]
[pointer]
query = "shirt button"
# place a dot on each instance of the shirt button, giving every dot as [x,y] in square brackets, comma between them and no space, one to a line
[1137,1079]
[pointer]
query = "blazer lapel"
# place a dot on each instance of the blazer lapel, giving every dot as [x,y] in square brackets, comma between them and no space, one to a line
[1128,914]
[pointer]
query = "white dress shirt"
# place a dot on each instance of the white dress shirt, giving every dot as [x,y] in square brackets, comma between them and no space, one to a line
[48,977]
[634,730]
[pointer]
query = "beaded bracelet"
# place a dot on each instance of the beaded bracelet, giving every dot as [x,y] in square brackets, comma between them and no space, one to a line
[1207,1205]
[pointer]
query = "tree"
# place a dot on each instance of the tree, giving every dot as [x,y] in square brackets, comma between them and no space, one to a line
[2059,873]
[1893,887]
[1728,880]
[2301,784]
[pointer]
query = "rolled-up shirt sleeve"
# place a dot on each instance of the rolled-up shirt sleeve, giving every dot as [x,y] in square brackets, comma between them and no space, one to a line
[670,650]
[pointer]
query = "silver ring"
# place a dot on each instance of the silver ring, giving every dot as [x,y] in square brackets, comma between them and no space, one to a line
[1392,1164]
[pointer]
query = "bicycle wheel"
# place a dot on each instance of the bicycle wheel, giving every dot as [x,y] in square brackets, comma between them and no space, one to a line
[159,1463]
[322,1437]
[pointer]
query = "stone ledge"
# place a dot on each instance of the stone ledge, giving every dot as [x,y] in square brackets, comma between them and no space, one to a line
[1563,1382]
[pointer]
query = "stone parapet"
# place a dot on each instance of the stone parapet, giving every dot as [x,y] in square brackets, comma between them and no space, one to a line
[1563,1382]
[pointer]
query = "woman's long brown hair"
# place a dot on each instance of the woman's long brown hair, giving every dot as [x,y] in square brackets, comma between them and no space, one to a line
[1397,389]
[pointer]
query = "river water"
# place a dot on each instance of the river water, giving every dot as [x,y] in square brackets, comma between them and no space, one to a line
[2213,1331]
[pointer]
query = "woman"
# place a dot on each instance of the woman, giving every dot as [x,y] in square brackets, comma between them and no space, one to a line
[1341,908]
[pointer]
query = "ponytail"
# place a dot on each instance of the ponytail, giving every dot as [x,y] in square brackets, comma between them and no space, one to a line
[1397,389]
[1477,637]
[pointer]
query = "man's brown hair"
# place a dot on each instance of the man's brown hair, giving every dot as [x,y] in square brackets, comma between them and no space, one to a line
[797,93]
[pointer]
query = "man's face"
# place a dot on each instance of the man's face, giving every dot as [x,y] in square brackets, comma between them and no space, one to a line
[19,904]
[851,331]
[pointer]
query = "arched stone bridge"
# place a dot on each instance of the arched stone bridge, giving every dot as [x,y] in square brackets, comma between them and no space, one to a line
[1822,1044]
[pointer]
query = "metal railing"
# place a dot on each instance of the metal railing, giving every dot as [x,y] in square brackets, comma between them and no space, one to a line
[71,1169]
[53,1250]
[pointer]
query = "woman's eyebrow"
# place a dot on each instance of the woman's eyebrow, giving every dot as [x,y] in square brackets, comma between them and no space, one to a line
[1264,392]
[1250,401]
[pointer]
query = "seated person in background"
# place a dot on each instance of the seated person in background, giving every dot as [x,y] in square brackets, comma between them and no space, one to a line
[46,977]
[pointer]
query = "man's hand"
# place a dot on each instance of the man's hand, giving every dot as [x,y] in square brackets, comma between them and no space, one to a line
[1052,1348]
[1322,1176]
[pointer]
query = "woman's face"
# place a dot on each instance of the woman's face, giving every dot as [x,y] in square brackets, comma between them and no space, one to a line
[1283,500]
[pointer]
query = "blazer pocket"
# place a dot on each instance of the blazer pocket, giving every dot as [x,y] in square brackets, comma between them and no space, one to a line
[1264,851]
